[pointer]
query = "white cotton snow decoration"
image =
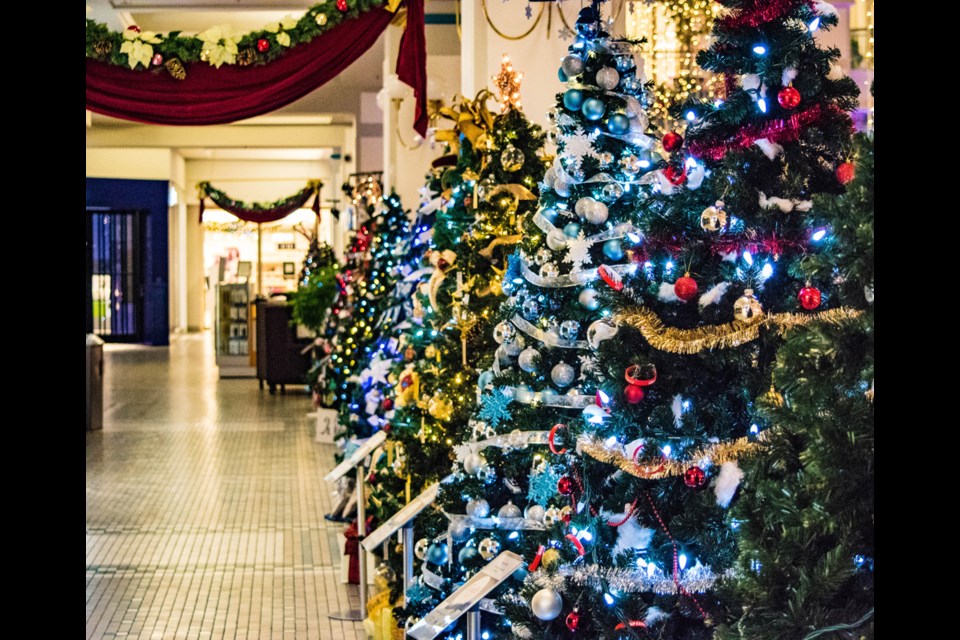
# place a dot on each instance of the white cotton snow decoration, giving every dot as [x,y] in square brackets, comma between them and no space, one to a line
[730,257]
[770,149]
[789,75]
[802,205]
[713,295]
[667,293]
[727,483]
[695,177]
[784,204]
[654,614]
[825,9]
[677,407]
[751,82]
[630,535]
[666,188]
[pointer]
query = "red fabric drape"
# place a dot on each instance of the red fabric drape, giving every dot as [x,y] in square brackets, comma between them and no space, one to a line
[217,96]
[263,216]
[412,68]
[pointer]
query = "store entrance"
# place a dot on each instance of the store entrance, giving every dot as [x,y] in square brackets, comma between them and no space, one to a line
[116,243]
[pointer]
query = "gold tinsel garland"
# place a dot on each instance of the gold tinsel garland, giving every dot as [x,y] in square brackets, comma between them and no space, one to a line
[723,336]
[717,454]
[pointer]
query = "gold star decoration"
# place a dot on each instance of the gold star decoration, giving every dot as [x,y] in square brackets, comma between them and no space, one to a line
[507,83]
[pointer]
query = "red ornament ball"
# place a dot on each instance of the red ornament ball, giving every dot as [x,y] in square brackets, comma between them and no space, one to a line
[442,264]
[809,298]
[675,175]
[845,172]
[565,486]
[788,98]
[263,45]
[387,428]
[573,620]
[387,404]
[156,60]
[672,141]
[633,393]
[685,288]
[133,28]
[694,477]
[342,5]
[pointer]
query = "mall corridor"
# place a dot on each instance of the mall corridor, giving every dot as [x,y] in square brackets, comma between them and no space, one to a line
[205,504]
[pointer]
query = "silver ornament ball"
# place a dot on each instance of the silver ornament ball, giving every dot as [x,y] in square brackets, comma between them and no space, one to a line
[488,548]
[534,512]
[509,510]
[611,191]
[572,65]
[420,548]
[549,270]
[546,604]
[503,332]
[478,508]
[588,299]
[556,239]
[562,374]
[473,463]
[512,158]
[530,309]
[569,329]
[528,359]
[608,78]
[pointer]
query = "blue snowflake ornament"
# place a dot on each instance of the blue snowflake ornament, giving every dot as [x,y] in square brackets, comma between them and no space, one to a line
[494,408]
[528,11]
[543,486]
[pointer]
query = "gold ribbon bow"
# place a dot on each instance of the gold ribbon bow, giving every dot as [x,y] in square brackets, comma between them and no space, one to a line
[470,117]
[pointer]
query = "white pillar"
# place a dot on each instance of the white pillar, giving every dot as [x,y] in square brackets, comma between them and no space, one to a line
[474,72]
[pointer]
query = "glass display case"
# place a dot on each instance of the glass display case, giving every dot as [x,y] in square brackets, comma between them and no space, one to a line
[234,331]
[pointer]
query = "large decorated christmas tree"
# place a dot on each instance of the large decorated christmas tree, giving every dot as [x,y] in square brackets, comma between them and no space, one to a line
[644,317]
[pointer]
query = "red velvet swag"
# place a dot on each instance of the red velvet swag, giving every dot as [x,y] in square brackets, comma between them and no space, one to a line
[230,93]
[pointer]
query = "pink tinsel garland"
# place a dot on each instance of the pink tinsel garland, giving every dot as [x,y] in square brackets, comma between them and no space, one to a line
[761,12]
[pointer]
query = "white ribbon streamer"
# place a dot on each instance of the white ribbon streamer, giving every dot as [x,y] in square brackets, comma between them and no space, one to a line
[570,279]
[617,232]
[504,441]
[546,338]
[508,524]
[556,400]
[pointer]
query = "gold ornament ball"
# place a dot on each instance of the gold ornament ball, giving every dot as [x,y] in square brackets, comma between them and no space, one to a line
[551,516]
[430,352]
[488,548]
[747,309]
[773,398]
[551,559]
[321,19]
[713,218]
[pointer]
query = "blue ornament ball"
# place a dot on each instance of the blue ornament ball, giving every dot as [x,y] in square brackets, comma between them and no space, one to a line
[573,99]
[613,249]
[630,85]
[618,124]
[593,108]
[468,554]
[437,553]
[560,74]
[572,230]
[521,574]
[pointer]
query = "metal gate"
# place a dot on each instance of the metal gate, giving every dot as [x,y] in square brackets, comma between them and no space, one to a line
[115,286]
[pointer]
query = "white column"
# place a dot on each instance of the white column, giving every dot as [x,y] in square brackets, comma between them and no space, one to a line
[474,72]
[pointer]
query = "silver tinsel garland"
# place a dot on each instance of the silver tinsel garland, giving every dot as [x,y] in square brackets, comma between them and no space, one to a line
[696,579]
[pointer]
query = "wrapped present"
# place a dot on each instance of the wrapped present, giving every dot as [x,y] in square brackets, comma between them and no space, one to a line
[351,549]
[380,623]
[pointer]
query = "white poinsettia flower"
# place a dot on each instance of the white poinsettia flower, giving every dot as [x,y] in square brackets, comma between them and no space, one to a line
[220,44]
[138,47]
[283,39]
[280,28]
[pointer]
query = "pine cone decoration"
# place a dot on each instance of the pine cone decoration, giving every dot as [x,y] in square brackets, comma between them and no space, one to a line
[103,48]
[246,57]
[175,67]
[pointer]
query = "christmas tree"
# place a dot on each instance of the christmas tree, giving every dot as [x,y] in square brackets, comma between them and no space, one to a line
[317,285]
[806,513]
[389,229]
[481,195]
[619,425]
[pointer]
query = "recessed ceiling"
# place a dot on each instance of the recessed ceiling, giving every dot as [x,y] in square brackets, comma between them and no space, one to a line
[254,154]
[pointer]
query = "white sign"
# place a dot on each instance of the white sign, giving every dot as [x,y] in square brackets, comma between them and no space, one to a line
[326,425]
[400,518]
[464,598]
[365,449]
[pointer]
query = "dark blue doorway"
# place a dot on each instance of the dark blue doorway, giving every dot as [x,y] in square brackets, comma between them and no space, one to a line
[115,295]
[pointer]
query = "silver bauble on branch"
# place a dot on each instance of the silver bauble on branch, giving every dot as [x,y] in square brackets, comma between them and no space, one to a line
[572,65]
[747,309]
[515,345]
[608,78]
[713,218]
[528,360]
[512,158]
[509,510]
[599,331]
[597,213]
[420,548]
[569,329]
[611,192]
[459,530]
[478,508]
[562,374]
[543,255]
[588,299]
[630,165]
[472,463]
[546,604]
[556,239]
[503,331]
[534,512]
[583,205]
[488,548]
[549,270]
[530,309]
[561,187]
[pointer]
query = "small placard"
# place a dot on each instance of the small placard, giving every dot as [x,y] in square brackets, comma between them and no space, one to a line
[326,425]
[400,518]
[464,598]
[365,449]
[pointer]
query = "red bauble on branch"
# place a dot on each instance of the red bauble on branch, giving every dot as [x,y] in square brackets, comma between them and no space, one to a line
[809,298]
[633,393]
[788,98]
[846,172]
[342,5]
[565,486]
[685,288]
[694,477]
[263,45]
[387,404]
[573,620]
[672,141]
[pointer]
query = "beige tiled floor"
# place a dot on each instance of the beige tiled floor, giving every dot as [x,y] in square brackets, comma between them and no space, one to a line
[205,504]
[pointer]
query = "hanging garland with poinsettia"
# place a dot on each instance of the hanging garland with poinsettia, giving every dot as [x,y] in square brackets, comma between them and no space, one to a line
[142,50]
[261,212]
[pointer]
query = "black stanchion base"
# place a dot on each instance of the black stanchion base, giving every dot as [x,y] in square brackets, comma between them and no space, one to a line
[353,615]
